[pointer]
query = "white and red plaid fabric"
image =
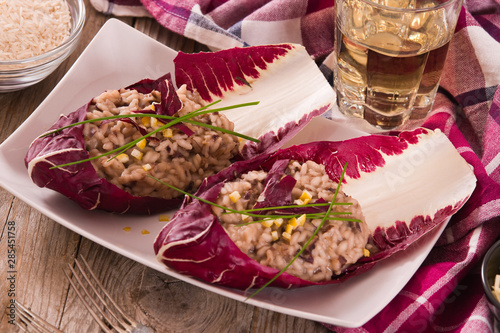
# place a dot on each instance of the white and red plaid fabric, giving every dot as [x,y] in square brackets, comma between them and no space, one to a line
[445,294]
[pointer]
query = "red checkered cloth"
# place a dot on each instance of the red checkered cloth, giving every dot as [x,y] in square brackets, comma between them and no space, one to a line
[445,294]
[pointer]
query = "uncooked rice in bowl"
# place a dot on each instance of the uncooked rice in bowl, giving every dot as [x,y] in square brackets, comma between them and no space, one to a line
[337,245]
[32,27]
[171,156]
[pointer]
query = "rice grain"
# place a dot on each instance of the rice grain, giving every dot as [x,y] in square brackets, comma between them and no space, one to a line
[32,27]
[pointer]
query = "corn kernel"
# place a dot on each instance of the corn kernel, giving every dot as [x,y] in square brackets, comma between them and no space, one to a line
[137,154]
[293,222]
[289,229]
[286,235]
[123,158]
[167,133]
[366,252]
[153,107]
[244,217]
[147,167]
[301,220]
[274,235]
[146,121]
[267,223]
[235,196]
[144,232]
[278,222]
[305,197]
[127,229]
[141,144]
[164,218]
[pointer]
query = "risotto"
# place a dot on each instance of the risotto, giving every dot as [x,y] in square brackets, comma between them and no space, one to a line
[274,243]
[181,156]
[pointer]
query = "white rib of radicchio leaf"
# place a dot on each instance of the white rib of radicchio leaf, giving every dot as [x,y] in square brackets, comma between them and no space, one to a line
[406,186]
[283,78]
[80,182]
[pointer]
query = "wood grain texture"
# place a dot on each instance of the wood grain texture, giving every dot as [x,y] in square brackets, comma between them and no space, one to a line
[44,248]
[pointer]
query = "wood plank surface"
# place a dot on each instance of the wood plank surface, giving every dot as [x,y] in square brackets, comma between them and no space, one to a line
[44,248]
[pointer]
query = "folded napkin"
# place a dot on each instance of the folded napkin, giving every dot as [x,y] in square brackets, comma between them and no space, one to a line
[445,294]
[120,7]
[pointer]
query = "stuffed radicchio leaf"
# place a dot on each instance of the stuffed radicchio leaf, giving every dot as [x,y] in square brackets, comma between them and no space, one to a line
[405,186]
[279,77]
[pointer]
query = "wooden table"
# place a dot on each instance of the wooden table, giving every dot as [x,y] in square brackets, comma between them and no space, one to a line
[43,247]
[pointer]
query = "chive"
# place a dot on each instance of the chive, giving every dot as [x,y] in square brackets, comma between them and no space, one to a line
[174,120]
[265,217]
[295,206]
[289,216]
[124,116]
[256,221]
[309,216]
[223,130]
[308,241]
[328,215]
[328,218]
[192,195]
[141,115]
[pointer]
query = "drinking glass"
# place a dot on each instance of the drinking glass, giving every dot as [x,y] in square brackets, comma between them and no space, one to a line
[389,56]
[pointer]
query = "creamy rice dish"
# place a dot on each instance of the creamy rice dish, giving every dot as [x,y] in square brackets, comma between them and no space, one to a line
[175,157]
[274,243]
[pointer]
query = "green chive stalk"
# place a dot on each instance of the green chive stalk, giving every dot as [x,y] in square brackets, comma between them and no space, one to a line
[173,120]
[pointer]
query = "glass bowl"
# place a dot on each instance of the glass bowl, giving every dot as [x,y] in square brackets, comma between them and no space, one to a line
[19,74]
[489,269]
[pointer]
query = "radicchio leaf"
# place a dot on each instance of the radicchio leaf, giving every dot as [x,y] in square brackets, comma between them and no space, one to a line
[277,189]
[290,88]
[80,182]
[194,243]
[283,78]
[170,102]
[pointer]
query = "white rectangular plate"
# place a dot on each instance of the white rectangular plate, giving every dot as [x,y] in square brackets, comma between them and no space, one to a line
[119,56]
